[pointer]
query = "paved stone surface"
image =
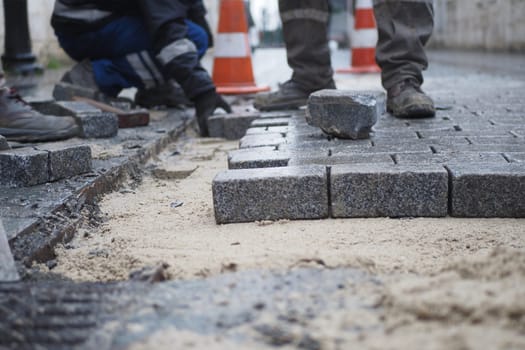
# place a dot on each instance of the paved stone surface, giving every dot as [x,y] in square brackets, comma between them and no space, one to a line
[36,218]
[270,194]
[343,114]
[484,136]
[491,190]
[378,190]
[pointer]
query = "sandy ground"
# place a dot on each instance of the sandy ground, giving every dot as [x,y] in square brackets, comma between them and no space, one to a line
[448,283]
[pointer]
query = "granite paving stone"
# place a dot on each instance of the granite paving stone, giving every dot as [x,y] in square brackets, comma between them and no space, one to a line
[235,125]
[270,194]
[344,114]
[390,149]
[270,139]
[264,122]
[258,159]
[515,157]
[67,161]
[23,167]
[446,158]
[495,140]
[493,190]
[265,130]
[378,190]
[351,158]
[480,148]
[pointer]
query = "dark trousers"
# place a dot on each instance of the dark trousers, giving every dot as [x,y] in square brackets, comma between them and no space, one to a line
[404,28]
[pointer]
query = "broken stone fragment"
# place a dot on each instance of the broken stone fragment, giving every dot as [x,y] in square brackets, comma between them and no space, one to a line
[343,114]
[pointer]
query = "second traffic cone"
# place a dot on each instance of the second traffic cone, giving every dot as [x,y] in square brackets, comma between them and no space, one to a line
[232,65]
[364,40]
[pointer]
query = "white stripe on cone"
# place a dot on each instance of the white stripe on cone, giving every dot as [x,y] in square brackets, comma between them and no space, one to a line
[232,45]
[364,4]
[364,38]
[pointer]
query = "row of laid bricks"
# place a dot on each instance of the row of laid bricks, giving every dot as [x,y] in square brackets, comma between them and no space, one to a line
[370,190]
[459,165]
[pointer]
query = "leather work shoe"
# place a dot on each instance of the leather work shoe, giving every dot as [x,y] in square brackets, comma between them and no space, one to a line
[169,94]
[205,106]
[19,122]
[289,96]
[407,100]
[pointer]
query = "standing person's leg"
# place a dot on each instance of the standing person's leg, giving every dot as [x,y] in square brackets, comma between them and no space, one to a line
[404,28]
[305,31]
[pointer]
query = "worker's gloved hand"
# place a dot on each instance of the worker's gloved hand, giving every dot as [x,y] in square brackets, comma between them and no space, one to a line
[205,106]
[202,22]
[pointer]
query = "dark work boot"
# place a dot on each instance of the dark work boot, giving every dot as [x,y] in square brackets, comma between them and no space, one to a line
[19,122]
[290,95]
[169,95]
[205,106]
[407,100]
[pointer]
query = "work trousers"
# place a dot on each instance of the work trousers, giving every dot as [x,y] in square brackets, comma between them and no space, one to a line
[121,53]
[404,27]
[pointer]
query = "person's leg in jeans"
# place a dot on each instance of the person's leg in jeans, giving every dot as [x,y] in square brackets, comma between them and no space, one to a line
[404,27]
[305,31]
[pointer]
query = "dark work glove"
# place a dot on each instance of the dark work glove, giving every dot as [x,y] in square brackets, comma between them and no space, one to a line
[202,22]
[205,106]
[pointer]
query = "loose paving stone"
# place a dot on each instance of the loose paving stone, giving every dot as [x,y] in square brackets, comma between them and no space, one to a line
[23,167]
[67,161]
[493,190]
[94,123]
[270,194]
[378,190]
[343,114]
[231,126]
[270,139]
[257,158]
[8,272]
[3,143]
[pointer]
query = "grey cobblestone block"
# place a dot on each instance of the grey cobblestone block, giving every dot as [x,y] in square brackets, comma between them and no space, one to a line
[270,194]
[425,134]
[235,125]
[94,122]
[480,148]
[378,135]
[250,141]
[23,167]
[265,130]
[343,114]
[257,158]
[264,122]
[378,190]
[216,125]
[3,143]
[517,157]
[391,149]
[340,159]
[488,191]
[67,161]
[277,115]
[447,158]
[488,140]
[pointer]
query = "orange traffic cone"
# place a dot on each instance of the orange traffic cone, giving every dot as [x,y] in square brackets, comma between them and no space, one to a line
[232,65]
[364,40]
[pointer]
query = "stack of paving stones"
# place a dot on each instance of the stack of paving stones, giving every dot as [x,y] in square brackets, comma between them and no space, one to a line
[459,163]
